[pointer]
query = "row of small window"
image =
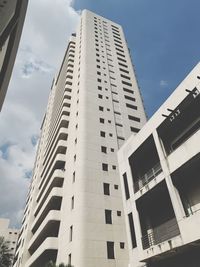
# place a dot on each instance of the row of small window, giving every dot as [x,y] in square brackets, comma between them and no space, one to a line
[106,188]
[105,167]
[133,129]
[116,37]
[106,191]
[10,233]
[110,251]
[108,216]
[121,64]
[122,75]
[133,118]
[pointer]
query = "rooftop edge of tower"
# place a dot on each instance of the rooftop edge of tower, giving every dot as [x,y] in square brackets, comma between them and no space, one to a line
[86,11]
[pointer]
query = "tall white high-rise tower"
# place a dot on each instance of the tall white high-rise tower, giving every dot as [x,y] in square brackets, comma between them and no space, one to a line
[74,210]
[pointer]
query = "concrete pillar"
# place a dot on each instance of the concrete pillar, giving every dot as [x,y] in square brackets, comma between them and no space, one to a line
[174,195]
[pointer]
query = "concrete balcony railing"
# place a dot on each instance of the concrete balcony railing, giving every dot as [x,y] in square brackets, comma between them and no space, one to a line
[55,181]
[49,171]
[53,216]
[161,233]
[59,148]
[53,202]
[184,152]
[61,134]
[50,243]
[147,177]
[63,122]
[188,227]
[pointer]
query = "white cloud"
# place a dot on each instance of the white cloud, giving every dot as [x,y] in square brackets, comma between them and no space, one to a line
[47,28]
[163,83]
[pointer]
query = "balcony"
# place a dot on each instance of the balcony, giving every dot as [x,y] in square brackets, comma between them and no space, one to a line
[145,164]
[182,123]
[53,202]
[59,135]
[163,232]
[57,164]
[148,176]
[185,152]
[46,252]
[48,228]
[59,148]
[187,182]
[56,181]
[157,221]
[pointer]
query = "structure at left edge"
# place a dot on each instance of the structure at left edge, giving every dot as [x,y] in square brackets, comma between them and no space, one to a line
[10,235]
[12,15]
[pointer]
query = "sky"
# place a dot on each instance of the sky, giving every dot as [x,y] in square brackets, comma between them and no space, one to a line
[163,36]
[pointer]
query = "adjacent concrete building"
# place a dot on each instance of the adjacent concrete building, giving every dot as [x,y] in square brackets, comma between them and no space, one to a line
[160,177]
[10,235]
[74,212]
[12,15]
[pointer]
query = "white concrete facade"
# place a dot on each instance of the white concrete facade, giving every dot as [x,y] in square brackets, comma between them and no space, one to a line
[10,235]
[159,171]
[74,210]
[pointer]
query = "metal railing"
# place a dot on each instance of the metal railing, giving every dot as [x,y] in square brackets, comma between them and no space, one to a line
[161,233]
[148,176]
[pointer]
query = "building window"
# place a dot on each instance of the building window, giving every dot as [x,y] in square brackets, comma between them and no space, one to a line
[128,91]
[104,166]
[108,216]
[135,130]
[116,186]
[132,230]
[131,106]
[119,213]
[98,80]
[70,233]
[128,84]
[101,120]
[125,77]
[100,108]
[118,124]
[133,118]
[70,259]
[127,194]
[103,149]
[110,250]
[100,96]
[102,134]
[122,245]
[74,158]
[99,88]
[98,73]
[129,97]
[72,203]
[73,177]
[125,71]
[106,189]
[123,65]
[114,167]
[120,138]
